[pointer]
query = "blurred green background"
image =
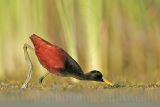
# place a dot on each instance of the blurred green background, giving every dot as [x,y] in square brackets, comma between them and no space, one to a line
[121,38]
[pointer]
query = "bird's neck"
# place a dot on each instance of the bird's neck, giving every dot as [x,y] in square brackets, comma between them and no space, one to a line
[84,76]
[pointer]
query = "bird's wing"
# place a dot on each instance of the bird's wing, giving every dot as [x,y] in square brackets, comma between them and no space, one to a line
[51,58]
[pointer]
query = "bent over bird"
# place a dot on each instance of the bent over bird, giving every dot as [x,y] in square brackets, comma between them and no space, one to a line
[57,62]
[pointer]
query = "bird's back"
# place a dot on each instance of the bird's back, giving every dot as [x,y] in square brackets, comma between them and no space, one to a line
[49,55]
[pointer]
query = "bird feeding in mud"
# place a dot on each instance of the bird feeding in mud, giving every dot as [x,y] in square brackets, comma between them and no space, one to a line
[57,62]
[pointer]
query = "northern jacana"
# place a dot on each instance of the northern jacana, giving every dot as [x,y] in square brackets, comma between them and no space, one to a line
[57,62]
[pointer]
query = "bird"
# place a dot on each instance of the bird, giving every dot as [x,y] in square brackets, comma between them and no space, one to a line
[58,62]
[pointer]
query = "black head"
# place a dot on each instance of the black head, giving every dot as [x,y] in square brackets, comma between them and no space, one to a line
[95,76]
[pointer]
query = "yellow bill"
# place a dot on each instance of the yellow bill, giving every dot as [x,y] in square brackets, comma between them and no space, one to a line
[108,82]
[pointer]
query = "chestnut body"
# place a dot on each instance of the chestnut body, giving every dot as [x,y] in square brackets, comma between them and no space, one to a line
[55,59]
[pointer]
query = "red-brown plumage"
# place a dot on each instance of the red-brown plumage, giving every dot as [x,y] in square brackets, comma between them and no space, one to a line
[50,56]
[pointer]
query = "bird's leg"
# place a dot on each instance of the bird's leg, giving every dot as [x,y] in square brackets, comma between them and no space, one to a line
[42,78]
[29,64]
